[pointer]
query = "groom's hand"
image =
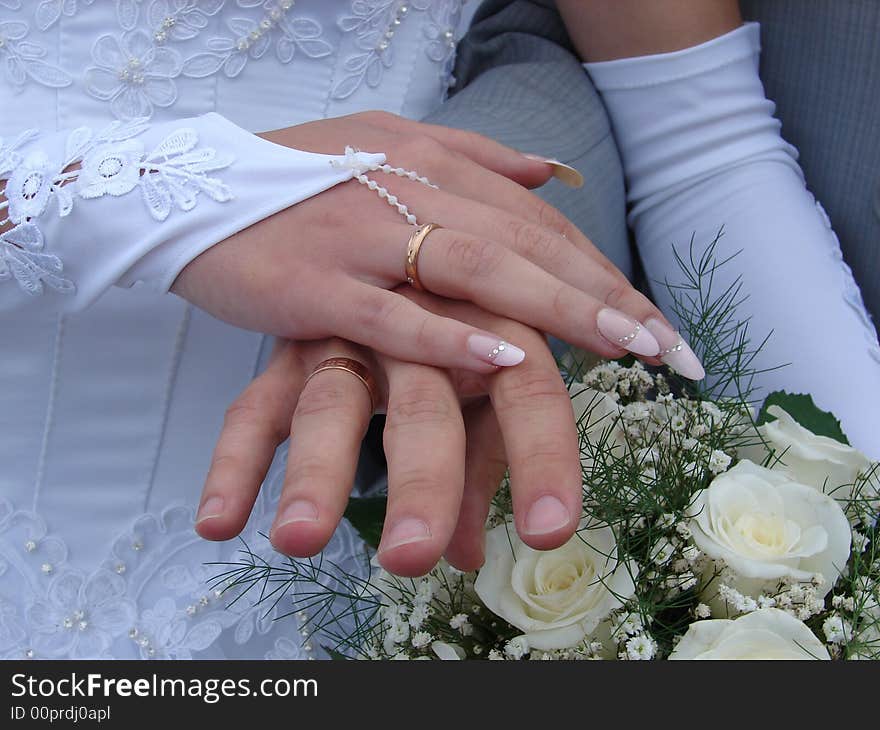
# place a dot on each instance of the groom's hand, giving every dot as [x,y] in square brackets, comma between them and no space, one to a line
[445,459]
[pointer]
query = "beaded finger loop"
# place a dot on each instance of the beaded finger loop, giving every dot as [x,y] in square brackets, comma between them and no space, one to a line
[361,168]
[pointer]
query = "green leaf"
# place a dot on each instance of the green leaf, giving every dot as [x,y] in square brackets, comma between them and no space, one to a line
[802,409]
[367,517]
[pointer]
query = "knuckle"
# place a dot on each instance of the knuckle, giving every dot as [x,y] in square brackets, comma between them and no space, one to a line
[417,405]
[532,242]
[530,389]
[375,313]
[249,410]
[618,294]
[309,470]
[419,484]
[549,217]
[474,257]
[423,149]
[562,303]
[325,395]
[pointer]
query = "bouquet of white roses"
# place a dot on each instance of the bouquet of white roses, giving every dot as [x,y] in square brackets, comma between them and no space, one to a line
[709,530]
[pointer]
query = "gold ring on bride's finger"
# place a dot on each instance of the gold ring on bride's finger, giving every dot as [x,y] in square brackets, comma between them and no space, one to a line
[412,254]
[358,369]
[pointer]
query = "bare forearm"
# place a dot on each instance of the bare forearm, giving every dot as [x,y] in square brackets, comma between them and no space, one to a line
[603,30]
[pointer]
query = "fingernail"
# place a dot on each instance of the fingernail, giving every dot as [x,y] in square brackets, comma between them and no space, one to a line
[300,510]
[562,172]
[547,515]
[213,507]
[494,351]
[405,532]
[674,351]
[625,332]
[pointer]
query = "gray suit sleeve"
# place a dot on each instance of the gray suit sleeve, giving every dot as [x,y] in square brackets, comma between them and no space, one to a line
[519,82]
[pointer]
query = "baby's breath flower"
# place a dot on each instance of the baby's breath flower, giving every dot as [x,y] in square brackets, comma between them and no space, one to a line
[517,648]
[640,647]
[836,629]
[702,611]
[718,461]
[422,639]
[460,623]
[496,656]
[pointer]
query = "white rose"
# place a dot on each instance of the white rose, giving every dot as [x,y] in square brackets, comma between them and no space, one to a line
[555,597]
[764,634]
[817,461]
[766,527]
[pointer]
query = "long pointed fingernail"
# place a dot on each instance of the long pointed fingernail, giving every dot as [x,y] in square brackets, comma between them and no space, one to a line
[562,172]
[213,507]
[546,515]
[494,351]
[626,332]
[406,532]
[675,352]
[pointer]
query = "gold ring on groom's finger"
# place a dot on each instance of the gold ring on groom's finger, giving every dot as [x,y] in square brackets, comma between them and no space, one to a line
[358,369]
[412,254]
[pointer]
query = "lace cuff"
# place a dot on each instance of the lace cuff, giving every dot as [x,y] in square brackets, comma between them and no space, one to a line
[135,201]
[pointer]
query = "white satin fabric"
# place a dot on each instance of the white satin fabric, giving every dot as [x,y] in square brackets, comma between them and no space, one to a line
[108,415]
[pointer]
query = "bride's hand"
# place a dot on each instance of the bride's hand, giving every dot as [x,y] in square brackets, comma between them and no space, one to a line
[447,447]
[327,266]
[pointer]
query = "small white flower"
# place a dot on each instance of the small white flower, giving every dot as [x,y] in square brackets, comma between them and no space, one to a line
[517,648]
[421,639]
[496,656]
[702,611]
[418,616]
[836,629]
[718,461]
[460,623]
[641,647]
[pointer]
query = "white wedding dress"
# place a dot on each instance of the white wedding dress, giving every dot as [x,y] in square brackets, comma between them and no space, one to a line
[113,392]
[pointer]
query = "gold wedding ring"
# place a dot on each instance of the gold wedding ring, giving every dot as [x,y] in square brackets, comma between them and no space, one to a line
[358,369]
[412,254]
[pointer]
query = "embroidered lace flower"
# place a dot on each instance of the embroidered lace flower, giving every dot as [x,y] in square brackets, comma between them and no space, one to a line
[111,162]
[23,59]
[133,74]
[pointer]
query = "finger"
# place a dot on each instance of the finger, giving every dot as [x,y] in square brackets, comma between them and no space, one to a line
[425,450]
[255,424]
[485,465]
[329,423]
[527,170]
[395,326]
[460,266]
[541,441]
[534,412]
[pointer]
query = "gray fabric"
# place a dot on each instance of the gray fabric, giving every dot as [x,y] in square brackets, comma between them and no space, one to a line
[820,63]
[520,83]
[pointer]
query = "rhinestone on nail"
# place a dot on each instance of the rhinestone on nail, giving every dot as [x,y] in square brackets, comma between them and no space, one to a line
[497,350]
[631,336]
[675,348]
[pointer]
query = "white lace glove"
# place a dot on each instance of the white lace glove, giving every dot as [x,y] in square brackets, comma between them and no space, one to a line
[701,149]
[137,202]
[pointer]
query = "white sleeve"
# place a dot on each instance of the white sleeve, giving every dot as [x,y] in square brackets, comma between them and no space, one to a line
[86,209]
[701,150]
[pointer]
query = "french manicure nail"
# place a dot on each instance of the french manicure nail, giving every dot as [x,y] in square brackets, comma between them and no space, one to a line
[625,332]
[546,515]
[406,532]
[562,172]
[674,351]
[494,351]
[300,510]
[213,507]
